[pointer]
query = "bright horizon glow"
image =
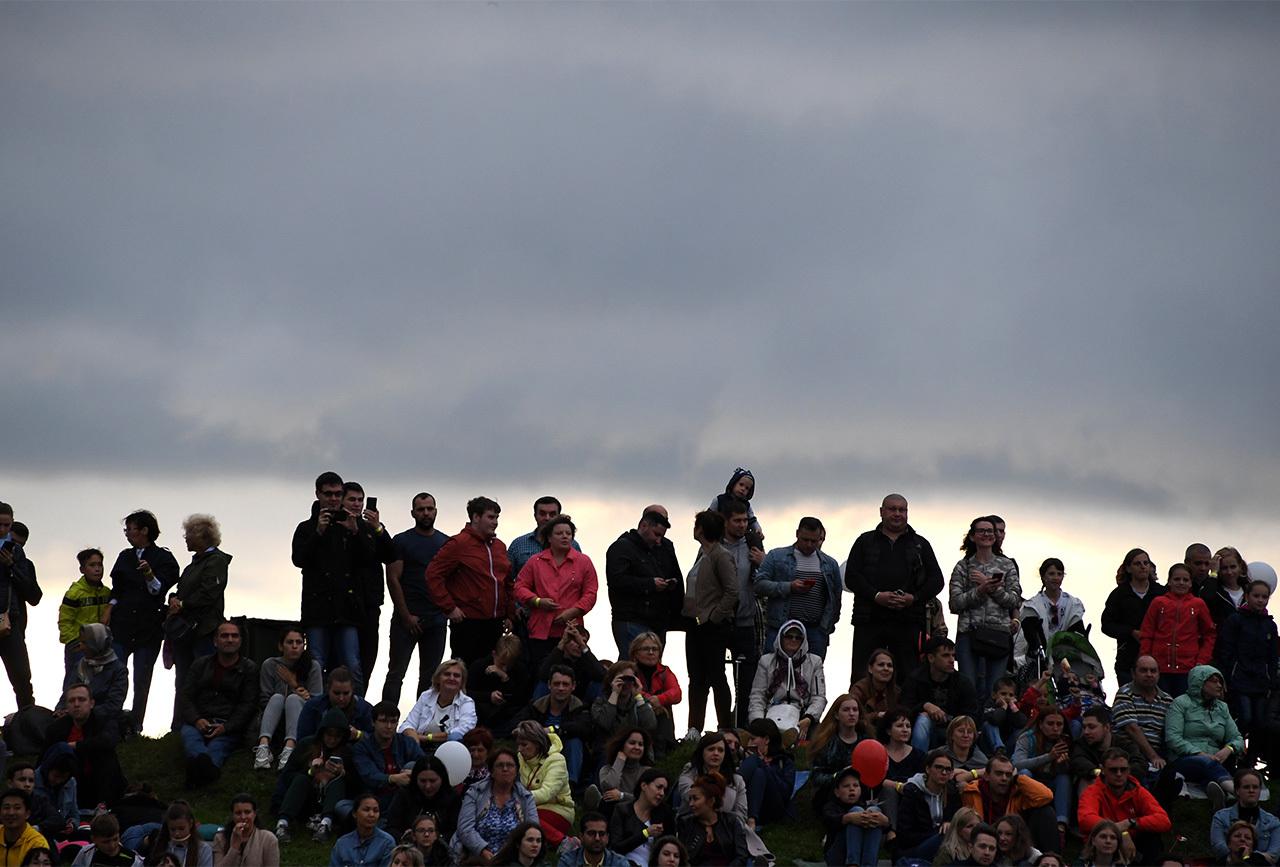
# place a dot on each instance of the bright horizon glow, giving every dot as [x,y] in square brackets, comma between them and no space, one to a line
[258,518]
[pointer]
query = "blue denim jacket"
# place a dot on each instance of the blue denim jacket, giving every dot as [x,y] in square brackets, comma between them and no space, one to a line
[773,579]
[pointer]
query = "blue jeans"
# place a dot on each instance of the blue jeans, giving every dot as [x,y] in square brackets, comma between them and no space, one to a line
[1198,769]
[337,645]
[856,845]
[572,751]
[144,664]
[925,735]
[1174,684]
[926,851]
[131,838]
[627,631]
[194,745]
[818,641]
[766,799]
[1062,797]
[984,671]
[992,739]
[1250,711]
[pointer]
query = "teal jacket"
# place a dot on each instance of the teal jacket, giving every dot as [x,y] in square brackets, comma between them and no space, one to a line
[1191,726]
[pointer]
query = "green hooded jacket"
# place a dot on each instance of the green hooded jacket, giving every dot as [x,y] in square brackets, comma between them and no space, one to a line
[1191,726]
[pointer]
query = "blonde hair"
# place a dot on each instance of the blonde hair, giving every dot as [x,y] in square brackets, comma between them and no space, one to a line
[953,848]
[204,528]
[445,666]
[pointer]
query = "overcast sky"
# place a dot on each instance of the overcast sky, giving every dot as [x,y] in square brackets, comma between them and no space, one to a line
[1012,254]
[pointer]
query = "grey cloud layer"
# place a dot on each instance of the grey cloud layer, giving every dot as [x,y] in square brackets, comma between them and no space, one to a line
[854,246]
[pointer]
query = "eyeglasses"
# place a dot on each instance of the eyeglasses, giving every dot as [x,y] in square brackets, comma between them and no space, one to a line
[984,532]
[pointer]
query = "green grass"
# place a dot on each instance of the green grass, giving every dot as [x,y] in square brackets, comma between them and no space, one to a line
[159,761]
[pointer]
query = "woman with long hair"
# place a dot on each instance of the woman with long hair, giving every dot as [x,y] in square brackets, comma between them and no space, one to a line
[646,817]
[985,592]
[770,774]
[287,682]
[627,756]
[1013,842]
[831,747]
[179,837]
[501,684]
[526,846]
[428,792]
[711,602]
[1102,848]
[1043,751]
[406,855]
[955,843]
[1225,591]
[426,838]
[243,842]
[1126,607]
[1055,608]
[668,851]
[713,756]
[367,844]
[877,690]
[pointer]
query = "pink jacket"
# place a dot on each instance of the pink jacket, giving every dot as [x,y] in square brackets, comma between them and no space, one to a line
[572,584]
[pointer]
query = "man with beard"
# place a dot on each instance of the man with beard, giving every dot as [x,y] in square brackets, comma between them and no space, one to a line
[416,621]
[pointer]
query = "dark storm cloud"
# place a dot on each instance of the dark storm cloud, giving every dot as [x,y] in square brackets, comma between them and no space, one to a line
[851,246]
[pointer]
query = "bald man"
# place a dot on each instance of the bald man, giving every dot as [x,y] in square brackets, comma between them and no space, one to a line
[646,586]
[893,573]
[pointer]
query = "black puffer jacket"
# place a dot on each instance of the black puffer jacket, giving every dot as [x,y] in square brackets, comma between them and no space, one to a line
[630,566]
[333,566]
[1122,614]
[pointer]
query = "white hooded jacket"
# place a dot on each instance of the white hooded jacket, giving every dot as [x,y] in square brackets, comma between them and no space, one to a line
[808,665]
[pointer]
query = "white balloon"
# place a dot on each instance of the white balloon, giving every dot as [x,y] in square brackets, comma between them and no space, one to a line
[457,760]
[1263,572]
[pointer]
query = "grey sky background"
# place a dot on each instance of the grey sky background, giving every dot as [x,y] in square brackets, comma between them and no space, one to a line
[1023,250]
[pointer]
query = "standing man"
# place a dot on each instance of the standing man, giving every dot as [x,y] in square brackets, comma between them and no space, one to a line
[893,574]
[141,579]
[646,586]
[377,543]
[416,621]
[801,583]
[1199,560]
[748,620]
[327,548]
[470,578]
[19,588]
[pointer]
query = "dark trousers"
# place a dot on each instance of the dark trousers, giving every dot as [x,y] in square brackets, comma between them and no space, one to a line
[430,645]
[368,635]
[471,639]
[706,646]
[746,659]
[185,651]
[899,638]
[17,663]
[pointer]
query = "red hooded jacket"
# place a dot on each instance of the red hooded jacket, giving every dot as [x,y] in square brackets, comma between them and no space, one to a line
[472,574]
[1178,632]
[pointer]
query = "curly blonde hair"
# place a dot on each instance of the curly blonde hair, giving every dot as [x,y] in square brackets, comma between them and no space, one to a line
[204,529]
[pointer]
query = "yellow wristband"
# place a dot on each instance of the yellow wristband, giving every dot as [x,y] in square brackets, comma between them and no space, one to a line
[645,833]
[973,774]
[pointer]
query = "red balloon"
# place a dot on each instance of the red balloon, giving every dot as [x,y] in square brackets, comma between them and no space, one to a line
[871,761]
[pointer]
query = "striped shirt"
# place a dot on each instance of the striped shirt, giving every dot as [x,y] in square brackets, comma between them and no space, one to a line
[807,606]
[1129,707]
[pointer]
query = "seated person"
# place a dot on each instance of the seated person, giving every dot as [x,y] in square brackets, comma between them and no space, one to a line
[56,783]
[1013,842]
[905,761]
[713,756]
[1097,738]
[878,691]
[99,668]
[1139,711]
[178,839]
[659,685]
[19,837]
[542,771]
[385,759]
[1201,737]
[1001,791]
[340,693]
[984,846]
[961,744]
[316,781]
[242,841]
[1103,847]
[770,775]
[789,686]
[1117,796]
[501,685]
[564,713]
[45,815]
[285,684]
[1043,751]
[428,792]
[573,650]
[622,705]
[479,742]
[626,757]
[711,835]
[831,747]
[1242,845]
[492,808]
[366,843]
[853,832]
[935,693]
[645,817]
[595,849]
[218,699]
[926,805]
[1248,784]
[956,837]
[89,737]
[105,849]
[443,713]
[1002,719]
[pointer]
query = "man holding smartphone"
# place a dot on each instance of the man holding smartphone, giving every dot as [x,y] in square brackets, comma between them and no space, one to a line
[801,583]
[18,589]
[375,550]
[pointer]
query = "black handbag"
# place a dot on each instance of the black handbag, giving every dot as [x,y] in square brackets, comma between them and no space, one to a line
[989,641]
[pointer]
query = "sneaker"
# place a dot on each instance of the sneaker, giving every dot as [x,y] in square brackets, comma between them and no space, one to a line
[322,832]
[262,757]
[591,798]
[282,831]
[285,753]
[1217,795]
[692,736]
[313,824]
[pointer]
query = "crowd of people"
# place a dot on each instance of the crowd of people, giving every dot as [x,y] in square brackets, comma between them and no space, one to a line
[532,743]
